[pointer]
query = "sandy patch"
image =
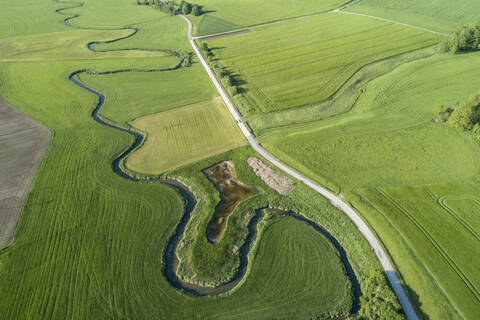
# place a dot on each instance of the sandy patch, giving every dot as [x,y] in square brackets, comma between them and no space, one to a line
[272,178]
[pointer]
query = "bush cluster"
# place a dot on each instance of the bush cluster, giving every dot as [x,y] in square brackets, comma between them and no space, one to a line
[465,39]
[465,115]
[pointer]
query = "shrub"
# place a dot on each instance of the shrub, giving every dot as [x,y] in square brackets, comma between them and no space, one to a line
[442,113]
[466,114]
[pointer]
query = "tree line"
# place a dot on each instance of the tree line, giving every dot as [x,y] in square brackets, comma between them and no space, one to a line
[222,73]
[172,8]
[465,39]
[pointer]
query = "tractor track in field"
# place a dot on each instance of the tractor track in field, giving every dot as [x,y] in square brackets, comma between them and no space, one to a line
[441,251]
[170,257]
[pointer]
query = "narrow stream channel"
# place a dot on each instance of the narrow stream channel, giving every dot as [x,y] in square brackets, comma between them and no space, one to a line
[170,258]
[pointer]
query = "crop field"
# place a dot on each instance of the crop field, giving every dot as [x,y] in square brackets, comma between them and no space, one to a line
[227,15]
[184,135]
[312,59]
[403,172]
[438,15]
[92,244]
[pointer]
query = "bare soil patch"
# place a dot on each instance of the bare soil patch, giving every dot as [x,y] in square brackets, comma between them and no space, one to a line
[272,178]
[23,143]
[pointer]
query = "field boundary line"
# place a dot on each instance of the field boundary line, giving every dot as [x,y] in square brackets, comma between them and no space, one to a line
[335,201]
[266,24]
[388,20]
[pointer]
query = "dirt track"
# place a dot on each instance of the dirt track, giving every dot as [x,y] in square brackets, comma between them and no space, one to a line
[23,143]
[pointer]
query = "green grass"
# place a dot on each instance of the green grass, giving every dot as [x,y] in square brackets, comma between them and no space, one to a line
[403,172]
[226,15]
[89,244]
[210,25]
[306,61]
[439,15]
[162,33]
[29,17]
[184,135]
[52,46]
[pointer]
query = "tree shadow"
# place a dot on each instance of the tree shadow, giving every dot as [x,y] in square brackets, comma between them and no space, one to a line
[415,299]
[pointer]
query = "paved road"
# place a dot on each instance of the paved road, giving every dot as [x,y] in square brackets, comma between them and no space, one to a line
[361,226]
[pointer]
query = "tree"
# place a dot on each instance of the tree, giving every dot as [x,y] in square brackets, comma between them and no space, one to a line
[196,10]
[466,114]
[186,8]
[465,39]
[378,301]
[227,81]
[233,90]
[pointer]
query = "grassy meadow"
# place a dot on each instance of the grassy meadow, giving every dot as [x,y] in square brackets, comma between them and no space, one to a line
[403,172]
[306,61]
[438,15]
[90,244]
[184,135]
[227,15]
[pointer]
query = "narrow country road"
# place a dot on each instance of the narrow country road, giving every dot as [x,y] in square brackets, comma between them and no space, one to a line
[361,226]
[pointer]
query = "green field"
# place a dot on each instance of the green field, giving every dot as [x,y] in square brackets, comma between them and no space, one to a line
[402,171]
[312,58]
[227,15]
[126,99]
[90,244]
[438,15]
[184,135]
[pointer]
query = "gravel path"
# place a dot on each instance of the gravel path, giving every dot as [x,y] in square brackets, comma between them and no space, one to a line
[361,226]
